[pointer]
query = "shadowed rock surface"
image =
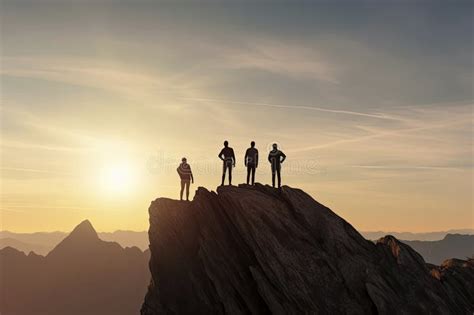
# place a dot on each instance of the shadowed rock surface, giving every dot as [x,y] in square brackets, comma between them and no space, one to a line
[256,250]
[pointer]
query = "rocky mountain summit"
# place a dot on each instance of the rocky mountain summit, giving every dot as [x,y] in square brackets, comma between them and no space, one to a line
[260,250]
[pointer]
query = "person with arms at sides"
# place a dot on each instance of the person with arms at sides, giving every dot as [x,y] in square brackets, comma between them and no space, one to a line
[186,176]
[228,158]
[251,161]
[276,158]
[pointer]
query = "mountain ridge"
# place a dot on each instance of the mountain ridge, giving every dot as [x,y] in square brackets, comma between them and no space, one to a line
[43,242]
[458,246]
[435,253]
[416,236]
[81,275]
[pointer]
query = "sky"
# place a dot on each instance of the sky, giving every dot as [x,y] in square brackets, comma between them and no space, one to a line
[371,101]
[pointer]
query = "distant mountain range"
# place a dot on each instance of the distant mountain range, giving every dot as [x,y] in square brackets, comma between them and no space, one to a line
[87,272]
[408,236]
[452,245]
[81,275]
[435,247]
[43,242]
[39,242]
[25,247]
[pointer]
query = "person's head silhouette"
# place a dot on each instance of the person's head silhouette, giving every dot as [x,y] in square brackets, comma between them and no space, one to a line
[252,144]
[226,143]
[275,146]
[184,160]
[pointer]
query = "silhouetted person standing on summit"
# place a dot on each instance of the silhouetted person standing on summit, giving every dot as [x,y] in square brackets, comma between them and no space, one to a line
[186,175]
[251,161]
[276,158]
[228,157]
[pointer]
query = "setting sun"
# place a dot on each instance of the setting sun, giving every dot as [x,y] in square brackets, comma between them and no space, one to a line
[117,177]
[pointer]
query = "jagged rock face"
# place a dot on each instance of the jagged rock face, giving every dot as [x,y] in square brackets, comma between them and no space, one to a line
[259,250]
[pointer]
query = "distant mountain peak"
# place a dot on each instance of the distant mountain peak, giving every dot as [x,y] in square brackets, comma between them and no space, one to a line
[81,239]
[84,230]
[456,236]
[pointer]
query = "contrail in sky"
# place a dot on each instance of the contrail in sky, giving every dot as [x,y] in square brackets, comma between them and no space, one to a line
[319,109]
[382,134]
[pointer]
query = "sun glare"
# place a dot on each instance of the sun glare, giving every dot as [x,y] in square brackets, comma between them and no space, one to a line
[117,177]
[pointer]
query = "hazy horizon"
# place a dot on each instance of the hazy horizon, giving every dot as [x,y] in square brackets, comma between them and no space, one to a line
[372,104]
[457,230]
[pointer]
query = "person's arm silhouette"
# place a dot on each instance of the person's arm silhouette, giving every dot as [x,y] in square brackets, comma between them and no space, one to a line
[191,173]
[283,157]
[233,156]
[246,157]
[220,155]
[256,158]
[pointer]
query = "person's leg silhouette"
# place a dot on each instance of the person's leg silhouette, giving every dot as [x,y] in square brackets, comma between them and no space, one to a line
[187,183]
[230,173]
[273,177]
[223,173]
[279,177]
[250,174]
[253,175]
[182,189]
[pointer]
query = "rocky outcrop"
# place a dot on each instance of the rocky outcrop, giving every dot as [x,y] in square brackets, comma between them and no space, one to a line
[260,250]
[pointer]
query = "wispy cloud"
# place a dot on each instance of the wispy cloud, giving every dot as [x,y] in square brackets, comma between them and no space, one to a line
[92,73]
[31,145]
[42,125]
[28,208]
[408,167]
[296,107]
[32,170]
[282,57]
[385,133]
